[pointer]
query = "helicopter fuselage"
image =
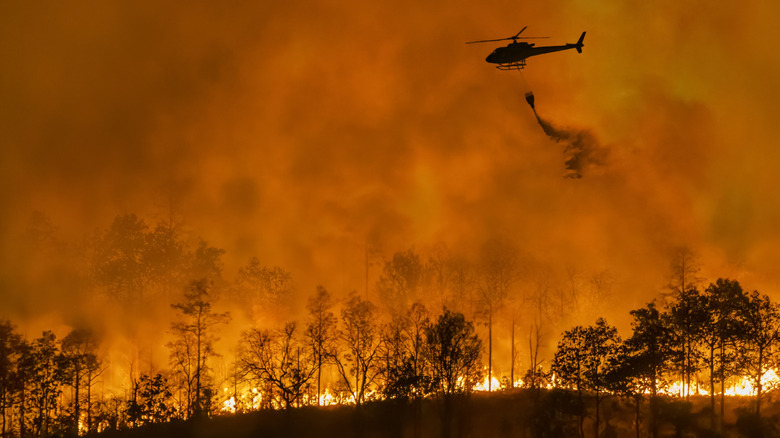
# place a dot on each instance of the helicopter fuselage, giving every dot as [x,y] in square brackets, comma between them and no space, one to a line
[514,54]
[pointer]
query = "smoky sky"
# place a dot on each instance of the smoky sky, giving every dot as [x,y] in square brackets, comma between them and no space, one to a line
[299,131]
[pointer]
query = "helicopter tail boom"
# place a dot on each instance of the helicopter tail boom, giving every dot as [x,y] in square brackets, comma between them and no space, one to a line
[579,44]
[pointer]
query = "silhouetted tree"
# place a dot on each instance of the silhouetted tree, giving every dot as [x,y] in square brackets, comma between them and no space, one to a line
[153,402]
[194,342]
[206,262]
[583,359]
[498,270]
[400,281]
[270,287]
[119,259]
[688,317]
[280,360]
[439,274]
[165,254]
[759,340]
[357,362]
[79,362]
[686,311]
[320,331]
[10,352]
[45,373]
[569,364]
[724,301]
[402,348]
[454,352]
[418,319]
[535,377]
[624,378]
[651,350]
[396,371]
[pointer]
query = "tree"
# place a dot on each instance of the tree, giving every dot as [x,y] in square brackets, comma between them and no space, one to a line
[10,343]
[153,402]
[651,350]
[25,373]
[401,281]
[624,378]
[320,331]
[280,361]
[759,340]
[440,274]
[688,316]
[724,301]
[584,358]
[165,254]
[357,363]
[45,372]
[79,362]
[453,351]
[119,259]
[498,270]
[686,312]
[270,286]
[194,342]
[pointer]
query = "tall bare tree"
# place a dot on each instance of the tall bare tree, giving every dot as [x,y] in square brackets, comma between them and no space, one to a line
[79,352]
[194,342]
[320,331]
[499,263]
[759,339]
[10,352]
[280,360]
[357,363]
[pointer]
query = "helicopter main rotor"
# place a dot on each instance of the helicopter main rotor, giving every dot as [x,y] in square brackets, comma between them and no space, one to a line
[513,38]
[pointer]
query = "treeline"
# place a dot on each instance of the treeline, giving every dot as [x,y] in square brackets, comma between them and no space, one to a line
[414,356]
[697,342]
[353,350]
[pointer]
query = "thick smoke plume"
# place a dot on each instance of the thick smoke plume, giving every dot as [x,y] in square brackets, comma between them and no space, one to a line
[581,148]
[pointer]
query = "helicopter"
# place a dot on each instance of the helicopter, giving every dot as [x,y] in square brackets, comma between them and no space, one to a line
[513,56]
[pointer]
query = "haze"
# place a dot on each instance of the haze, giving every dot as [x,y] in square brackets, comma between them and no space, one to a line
[302,133]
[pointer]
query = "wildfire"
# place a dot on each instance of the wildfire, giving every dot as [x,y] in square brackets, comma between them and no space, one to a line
[229,405]
[327,398]
[744,386]
[740,386]
[492,383]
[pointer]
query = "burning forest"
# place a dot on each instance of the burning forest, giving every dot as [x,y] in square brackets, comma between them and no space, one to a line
[285,217]
[434,325]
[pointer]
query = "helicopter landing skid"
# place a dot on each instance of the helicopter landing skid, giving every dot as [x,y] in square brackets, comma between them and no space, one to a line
[512,65]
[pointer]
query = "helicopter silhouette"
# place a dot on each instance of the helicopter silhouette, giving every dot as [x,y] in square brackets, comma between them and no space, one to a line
[513,56]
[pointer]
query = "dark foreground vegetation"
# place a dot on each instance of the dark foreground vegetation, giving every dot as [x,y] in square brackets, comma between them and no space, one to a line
[515,413]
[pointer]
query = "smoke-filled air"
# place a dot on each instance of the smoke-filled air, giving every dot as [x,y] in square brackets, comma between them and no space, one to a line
[265,153]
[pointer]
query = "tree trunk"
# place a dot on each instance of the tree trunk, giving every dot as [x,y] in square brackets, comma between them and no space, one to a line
[722,386]
[512,369]
[712,389]
[637,401]
[319,376]
[758,380]
[2,401]
[76,406]
[598,402]
[89,403]
[490,351]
